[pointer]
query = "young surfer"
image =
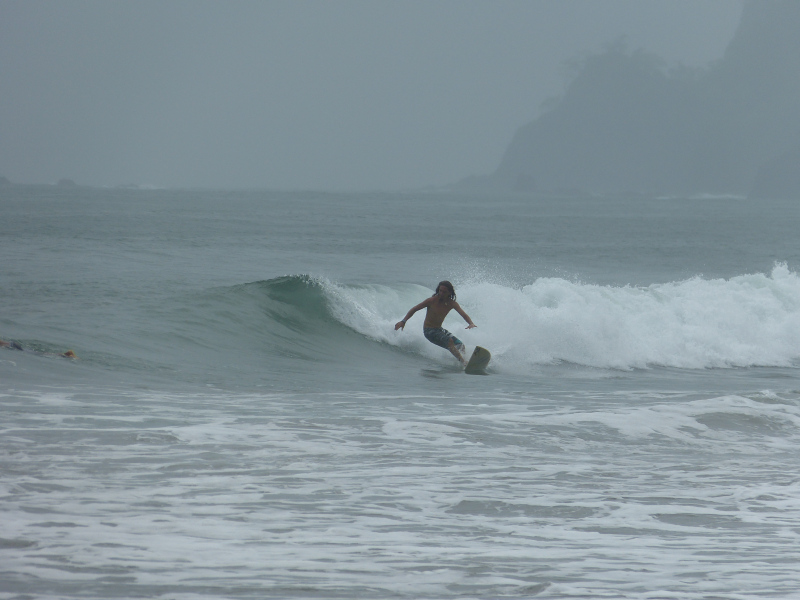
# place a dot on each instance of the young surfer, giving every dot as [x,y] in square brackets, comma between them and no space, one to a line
[17,346]
[438,305]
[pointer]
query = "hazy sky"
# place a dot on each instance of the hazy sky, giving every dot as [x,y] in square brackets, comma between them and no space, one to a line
[298,94]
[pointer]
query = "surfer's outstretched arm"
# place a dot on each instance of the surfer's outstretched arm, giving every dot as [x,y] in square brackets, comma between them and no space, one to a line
[425,303]
[460,311]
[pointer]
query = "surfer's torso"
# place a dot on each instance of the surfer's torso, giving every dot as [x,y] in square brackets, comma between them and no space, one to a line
[437,311]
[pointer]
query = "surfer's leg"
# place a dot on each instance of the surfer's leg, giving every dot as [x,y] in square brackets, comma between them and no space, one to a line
[454,350]
[441,337]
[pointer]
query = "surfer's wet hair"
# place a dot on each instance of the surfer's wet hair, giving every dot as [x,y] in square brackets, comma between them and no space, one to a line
[449,287]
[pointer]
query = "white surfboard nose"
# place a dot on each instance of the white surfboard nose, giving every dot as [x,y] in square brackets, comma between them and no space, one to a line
[478,361]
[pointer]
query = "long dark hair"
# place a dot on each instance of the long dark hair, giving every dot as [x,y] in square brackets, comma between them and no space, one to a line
[450,288]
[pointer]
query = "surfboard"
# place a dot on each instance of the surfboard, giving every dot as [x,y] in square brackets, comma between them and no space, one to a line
[478,361]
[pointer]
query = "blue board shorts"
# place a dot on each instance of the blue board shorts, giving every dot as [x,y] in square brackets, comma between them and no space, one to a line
[441,337]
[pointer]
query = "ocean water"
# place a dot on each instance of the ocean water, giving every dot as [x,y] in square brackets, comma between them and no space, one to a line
[244,422]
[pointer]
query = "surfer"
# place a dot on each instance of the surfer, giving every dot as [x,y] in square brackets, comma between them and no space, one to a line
[12,345]
[438,305]
[17,346]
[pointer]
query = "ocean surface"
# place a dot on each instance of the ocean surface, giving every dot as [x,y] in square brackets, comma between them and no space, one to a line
[243,421]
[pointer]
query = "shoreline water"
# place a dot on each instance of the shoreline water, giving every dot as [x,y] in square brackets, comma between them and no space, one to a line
[244,421]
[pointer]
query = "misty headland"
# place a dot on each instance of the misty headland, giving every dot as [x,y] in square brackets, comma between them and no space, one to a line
[627,123]
[346,96]
[327,96]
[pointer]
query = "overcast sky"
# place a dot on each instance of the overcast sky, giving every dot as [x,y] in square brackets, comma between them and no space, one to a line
[297,94]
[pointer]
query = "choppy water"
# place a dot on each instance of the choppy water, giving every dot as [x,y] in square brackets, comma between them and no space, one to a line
[244,422]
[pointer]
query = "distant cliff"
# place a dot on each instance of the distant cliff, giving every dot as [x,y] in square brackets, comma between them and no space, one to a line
[627,123]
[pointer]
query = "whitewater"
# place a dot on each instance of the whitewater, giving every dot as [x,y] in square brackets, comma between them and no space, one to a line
[749,320]
[243,421]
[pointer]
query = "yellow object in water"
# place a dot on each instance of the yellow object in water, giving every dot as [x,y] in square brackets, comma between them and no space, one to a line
[478,361]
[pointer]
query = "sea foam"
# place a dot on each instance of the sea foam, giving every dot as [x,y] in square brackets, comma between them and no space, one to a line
[698,323]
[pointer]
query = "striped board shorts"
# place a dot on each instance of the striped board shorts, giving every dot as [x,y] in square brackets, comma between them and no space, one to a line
[441,337]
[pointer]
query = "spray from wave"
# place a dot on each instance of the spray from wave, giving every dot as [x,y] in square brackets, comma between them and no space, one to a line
[749,320]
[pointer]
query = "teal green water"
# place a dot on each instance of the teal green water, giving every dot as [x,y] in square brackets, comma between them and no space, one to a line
[243,420]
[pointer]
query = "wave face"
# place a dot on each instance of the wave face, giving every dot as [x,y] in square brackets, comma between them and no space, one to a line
[292,324]
[749,320]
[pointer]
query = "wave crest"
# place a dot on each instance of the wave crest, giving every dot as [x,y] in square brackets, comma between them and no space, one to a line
[749,320]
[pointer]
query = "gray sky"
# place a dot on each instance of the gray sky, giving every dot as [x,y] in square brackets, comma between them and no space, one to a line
[299,94]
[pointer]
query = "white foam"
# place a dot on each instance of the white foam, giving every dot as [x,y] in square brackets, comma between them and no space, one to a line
[373,495]
[749,320]
[684,421]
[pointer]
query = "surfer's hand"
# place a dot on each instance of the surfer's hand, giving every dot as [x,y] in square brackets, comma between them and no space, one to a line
[400,325]
[471,325]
